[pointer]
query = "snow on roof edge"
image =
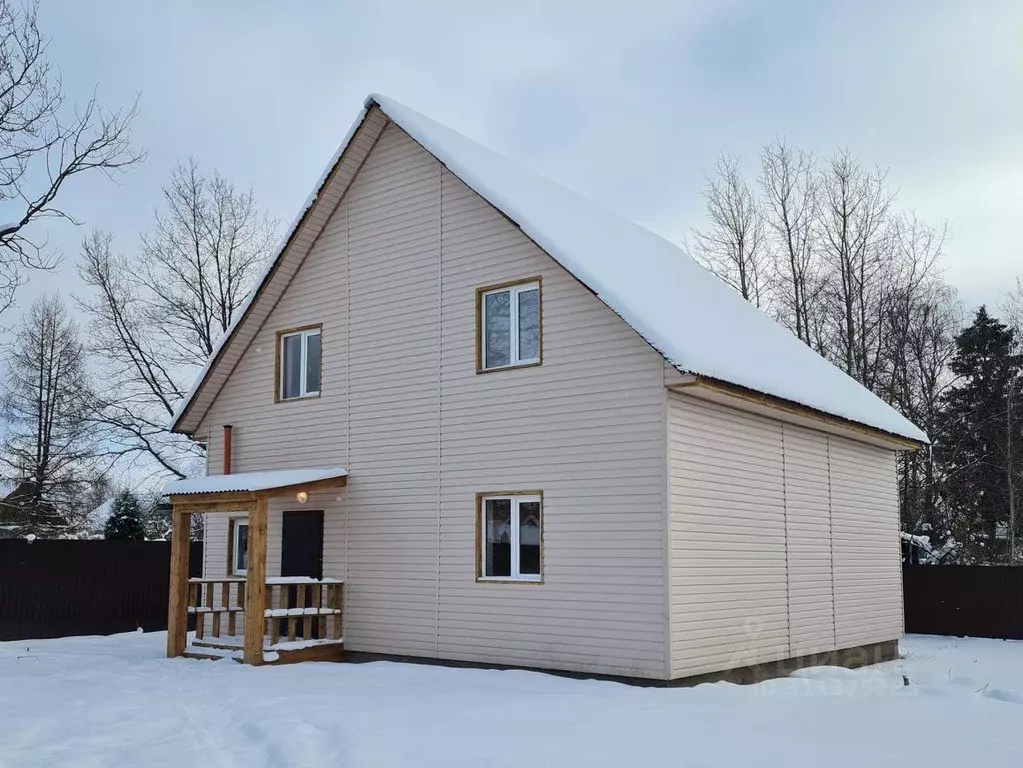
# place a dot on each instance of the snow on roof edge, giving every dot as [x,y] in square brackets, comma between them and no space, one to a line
[251,481]
[885,418]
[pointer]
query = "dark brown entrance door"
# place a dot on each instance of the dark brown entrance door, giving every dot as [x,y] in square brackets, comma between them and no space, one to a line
[302,544]
[301,555]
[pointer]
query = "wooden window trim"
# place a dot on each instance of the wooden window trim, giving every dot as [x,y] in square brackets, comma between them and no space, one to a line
[480,293]
[232,524]
[278,368]
[480,578]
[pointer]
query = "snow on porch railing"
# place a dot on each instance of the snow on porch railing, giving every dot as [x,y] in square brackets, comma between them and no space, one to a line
[298,608]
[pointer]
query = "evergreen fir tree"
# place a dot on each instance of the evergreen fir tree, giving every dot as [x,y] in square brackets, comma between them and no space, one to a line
[979,440]
[125,520]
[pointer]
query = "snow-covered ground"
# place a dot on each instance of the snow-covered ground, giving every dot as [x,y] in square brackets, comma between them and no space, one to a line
[114,701]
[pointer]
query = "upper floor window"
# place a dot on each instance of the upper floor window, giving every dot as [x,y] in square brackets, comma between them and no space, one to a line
[508,323]
[298,355]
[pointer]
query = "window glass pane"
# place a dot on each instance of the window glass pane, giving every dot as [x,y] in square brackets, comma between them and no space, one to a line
[241,546]
[497,522]
[497,317]
[312,363]
[529,325]
[291,365]
[529,538]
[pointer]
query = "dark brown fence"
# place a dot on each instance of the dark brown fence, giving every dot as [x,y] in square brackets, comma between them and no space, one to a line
[58,588]
[974,600]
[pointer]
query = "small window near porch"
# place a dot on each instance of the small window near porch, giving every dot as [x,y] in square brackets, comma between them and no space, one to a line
[239,540]
[510,537]
[508,326]
[298,363]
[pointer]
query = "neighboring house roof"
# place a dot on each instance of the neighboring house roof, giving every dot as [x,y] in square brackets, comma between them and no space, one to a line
[699,324]
[21,514]
[252,481]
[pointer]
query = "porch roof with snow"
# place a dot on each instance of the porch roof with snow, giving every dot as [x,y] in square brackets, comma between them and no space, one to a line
[700,325]
[270,483]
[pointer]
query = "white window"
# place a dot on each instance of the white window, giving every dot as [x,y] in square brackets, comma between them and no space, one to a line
[510,326]
[510,538]
[239,546]
[299,355]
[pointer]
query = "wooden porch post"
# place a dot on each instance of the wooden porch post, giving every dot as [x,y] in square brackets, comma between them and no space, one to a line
[255,584]
[177,605]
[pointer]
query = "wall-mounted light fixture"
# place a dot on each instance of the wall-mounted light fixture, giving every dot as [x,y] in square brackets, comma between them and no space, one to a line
[302,497]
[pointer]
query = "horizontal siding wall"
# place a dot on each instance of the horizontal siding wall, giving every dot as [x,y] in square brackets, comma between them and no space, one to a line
[808,522]
[728,564]
[393,280]
[393,213]
[784,540]
[868,571]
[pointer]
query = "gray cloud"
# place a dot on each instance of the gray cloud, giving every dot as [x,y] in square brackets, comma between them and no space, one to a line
[626,105]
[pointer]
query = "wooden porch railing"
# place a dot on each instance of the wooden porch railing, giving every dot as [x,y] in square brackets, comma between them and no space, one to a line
[219,598]
[303,609]
[297,609]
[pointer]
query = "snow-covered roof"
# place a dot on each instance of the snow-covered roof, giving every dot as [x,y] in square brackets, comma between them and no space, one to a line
[698,323]
[251,481]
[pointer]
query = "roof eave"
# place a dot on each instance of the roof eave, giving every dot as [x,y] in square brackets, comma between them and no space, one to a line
[738,392]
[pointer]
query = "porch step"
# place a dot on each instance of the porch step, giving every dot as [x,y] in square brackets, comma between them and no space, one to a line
[284,652]
[218,644]
[206,652]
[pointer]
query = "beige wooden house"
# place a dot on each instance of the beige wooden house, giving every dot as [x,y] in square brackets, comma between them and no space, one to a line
[469,415]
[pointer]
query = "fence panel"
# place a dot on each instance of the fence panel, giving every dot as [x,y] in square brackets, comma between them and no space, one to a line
[59,588]
[974,600]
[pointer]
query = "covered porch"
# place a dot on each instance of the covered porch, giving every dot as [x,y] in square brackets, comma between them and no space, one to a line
[253,618]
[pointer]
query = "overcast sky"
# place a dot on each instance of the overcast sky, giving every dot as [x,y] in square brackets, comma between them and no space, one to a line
[628,106]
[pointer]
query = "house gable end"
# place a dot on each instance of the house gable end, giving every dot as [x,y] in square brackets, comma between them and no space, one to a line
[392,281]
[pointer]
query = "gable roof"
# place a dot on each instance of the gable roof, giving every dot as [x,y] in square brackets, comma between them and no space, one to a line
[699,324]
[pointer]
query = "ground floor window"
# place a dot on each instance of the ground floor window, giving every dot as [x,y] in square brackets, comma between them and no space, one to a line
[510,541]
[238,558]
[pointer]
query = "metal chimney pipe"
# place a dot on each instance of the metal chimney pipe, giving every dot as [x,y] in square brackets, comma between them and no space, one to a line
[227,449]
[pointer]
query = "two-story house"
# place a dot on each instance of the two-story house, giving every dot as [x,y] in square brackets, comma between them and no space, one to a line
[469,415]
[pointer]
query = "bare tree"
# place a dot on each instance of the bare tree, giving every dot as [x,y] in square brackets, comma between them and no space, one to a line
[205,250]
[789,184]
[734,246]
[1012,306]
[921,374]
[48,448]
[159,313]
[142,386]
[857,240]
[43,144]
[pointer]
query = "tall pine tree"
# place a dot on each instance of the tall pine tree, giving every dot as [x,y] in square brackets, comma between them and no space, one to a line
[980,439]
